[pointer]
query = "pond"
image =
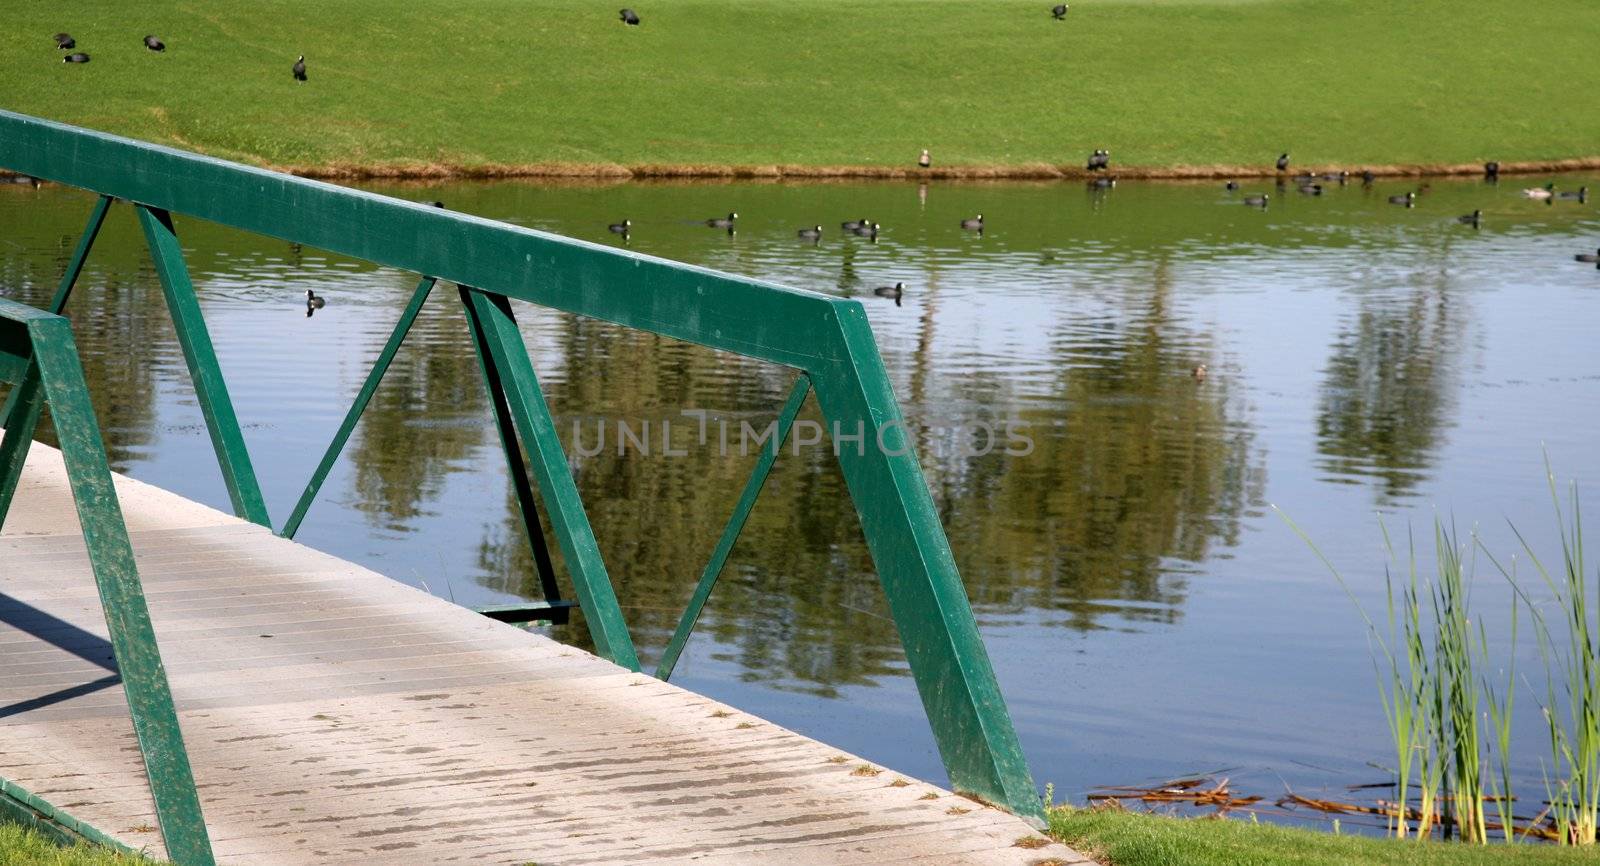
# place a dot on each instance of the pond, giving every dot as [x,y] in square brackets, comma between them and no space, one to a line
[1150,616]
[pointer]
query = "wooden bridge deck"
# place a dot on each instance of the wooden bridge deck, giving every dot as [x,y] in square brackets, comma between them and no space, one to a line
[334,715]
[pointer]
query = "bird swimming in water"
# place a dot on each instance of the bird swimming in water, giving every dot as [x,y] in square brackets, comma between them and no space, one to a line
[1059,11]
[1199,372]
[1256,200]
[811,233]
[1585,257]
[313,302]
[722,222]
[75,58]
[1408,199]
[65,42]
[1581,196]
[1100,160]
[1471,219]
[973,223]
[852,225]
[1341,176]
[1311,188]
[1283,162]
[300,69]
[629,17]
[1491,170]
[896,291]
[154,44]
[1541,192]
[1367,177]
[868,231]
[1103,183]
[1231,186]
[620,228]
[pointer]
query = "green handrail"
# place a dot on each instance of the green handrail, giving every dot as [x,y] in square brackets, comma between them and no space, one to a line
[826,339]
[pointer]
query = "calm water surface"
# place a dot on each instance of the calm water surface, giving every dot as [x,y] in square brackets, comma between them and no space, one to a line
[1149,615]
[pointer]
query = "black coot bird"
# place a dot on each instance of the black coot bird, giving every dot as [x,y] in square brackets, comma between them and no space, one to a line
[1059,11]
[65,42]
[722,222]
[896,291]
[811,233]
[621,228]
[1231,185]
[1311,188]
[1471,219]
[1103,183]
[300,69]
[154,44]
[75,58]
[1408,199]
[1100,160]
[1585,257]
[1581,196]
[973,223]
[1367,177]
[867,230]
[1283,162]
[852,225]
[313,303]
[1256,200]
[629,17]
[1491,170]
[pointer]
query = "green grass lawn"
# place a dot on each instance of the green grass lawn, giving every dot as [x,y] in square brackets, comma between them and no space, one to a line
[1131,839]
[23,847]
[823,82]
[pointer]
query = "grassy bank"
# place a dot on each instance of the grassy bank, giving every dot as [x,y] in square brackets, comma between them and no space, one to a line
[1128,839]
[23,847]
[537,84]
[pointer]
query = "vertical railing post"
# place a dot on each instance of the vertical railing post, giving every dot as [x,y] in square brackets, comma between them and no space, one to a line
[210,388]
[133,638]
[926,597]
[492,319]
[24,404]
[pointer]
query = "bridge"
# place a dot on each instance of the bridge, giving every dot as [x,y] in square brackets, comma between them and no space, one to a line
[198,685]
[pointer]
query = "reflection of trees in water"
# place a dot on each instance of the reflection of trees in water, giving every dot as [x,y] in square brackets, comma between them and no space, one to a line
[426,418]
[1387,395]
[1149,467]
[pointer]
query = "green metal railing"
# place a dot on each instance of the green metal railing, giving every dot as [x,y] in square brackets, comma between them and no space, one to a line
[827,340]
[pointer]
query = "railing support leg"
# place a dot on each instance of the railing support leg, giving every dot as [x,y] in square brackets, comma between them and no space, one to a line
[527,505]
[133,638]
[491,317]
[368,388]
[918,572]
[730,533]
[226,437]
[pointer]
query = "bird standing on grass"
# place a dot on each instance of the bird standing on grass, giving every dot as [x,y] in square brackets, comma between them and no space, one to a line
[154,44]
[1100,160]
[1283,162]
[75,58]
[1059,11]
[300,69]
[65,42]
[629,17]
[924,160]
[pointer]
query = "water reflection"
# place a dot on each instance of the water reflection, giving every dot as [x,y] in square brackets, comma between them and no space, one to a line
[1358,353]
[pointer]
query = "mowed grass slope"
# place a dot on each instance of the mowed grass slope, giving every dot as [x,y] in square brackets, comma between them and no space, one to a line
[823,82]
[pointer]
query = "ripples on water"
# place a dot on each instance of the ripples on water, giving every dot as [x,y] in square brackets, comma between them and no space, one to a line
[1149,616]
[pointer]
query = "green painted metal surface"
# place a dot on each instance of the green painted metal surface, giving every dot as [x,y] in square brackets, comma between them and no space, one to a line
[730,533]
[21,806]
[828,339]
[368,388]
[204,370]
[105,535]
[496,329]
